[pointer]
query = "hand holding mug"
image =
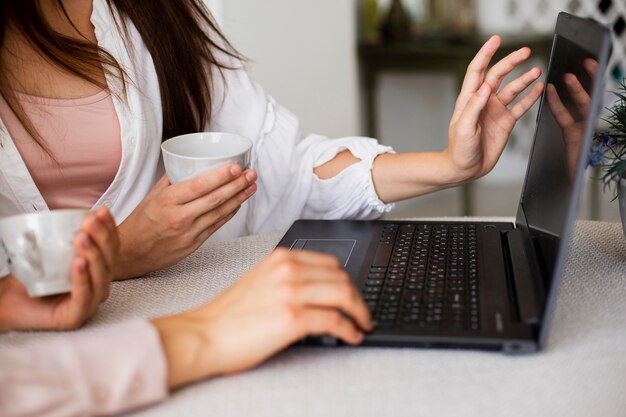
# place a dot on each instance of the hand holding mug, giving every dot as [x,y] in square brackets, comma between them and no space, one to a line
[174,220]
[96,247]
[203,189]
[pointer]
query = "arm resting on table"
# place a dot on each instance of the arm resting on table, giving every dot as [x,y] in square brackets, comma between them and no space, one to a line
[100,372]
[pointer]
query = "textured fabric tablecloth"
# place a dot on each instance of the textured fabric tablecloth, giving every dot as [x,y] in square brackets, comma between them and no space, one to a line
[582,372]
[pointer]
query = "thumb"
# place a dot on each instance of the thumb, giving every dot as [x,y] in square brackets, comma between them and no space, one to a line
[471,113]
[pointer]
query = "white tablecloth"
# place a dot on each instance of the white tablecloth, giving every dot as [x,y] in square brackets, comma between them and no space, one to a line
[582,372]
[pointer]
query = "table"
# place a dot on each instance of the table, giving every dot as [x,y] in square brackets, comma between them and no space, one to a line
[582,371]
[431,54]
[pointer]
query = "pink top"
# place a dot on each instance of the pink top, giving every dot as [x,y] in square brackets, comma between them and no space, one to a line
[85,138]
[95,372]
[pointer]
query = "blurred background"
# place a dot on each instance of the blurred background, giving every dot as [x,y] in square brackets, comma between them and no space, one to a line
[391,69]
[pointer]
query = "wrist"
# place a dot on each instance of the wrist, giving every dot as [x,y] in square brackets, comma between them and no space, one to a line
[187,348]
[455,174]
[124,267]
[129,262]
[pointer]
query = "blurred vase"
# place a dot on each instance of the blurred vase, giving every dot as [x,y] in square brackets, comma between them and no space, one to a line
[456,17]
[438,10]
[397,26]
[369,20]
[464,17]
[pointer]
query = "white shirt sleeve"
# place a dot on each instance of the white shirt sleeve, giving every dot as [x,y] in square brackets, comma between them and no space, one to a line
[287,188]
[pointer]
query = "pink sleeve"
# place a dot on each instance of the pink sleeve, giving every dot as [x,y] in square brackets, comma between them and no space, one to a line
[97,372]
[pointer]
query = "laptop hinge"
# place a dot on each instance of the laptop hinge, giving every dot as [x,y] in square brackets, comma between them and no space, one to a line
[526,273]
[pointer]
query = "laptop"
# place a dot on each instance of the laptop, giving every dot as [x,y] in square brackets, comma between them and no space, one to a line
[481,285]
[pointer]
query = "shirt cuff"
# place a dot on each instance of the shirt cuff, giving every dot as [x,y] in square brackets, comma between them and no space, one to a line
[351,193]
[124,367]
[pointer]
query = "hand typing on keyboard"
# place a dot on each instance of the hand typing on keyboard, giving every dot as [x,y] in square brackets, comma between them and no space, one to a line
[289,295]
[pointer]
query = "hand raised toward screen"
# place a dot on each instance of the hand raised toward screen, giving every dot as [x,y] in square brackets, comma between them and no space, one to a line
[484,114]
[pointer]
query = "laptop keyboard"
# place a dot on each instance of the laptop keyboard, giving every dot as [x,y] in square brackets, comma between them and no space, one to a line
[426,276]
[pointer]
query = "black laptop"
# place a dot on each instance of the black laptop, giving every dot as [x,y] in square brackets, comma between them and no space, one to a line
[475,284]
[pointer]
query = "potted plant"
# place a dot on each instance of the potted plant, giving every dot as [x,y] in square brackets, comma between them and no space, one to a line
[609,151]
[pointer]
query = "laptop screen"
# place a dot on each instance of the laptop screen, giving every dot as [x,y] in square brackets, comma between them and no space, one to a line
[562,135]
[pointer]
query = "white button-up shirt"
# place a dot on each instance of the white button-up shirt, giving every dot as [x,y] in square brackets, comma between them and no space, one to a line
[287,188]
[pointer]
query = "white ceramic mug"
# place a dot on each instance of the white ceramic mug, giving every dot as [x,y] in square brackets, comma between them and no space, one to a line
[190,155]
[39,248]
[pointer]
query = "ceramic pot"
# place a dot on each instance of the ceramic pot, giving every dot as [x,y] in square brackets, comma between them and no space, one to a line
[621,196]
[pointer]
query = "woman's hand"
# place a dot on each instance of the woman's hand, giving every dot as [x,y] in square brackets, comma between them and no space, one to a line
[483,119]
[484,116]
[174,220]
[96,248]
[287,296]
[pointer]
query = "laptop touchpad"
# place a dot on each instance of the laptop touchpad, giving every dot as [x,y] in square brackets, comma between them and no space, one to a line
[339,248]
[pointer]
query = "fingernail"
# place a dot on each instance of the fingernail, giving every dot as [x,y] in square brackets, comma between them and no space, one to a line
[235,170]
[360,336]
[483,90]
[250,176]
[86,242]
[250,190]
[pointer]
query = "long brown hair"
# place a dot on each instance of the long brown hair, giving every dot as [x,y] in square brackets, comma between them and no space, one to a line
[180,35]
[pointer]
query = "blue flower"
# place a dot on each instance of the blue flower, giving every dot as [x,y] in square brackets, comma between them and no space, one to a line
[596,156]
[605,138]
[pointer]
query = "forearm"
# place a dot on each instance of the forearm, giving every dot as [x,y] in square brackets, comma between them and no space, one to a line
[401,176]
[406,175]
[106,371]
